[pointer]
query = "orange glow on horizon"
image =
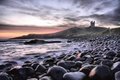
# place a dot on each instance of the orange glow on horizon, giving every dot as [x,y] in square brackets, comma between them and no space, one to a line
[4,34]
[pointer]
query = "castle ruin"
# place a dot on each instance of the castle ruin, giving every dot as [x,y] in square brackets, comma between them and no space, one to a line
[92,24]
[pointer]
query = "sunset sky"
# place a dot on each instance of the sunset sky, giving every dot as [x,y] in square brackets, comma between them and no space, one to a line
[21,17]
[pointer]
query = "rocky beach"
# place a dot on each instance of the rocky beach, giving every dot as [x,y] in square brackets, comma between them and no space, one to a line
[101,61]
[59,39]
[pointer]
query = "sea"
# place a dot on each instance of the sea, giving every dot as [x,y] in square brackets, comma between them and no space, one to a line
[16,50]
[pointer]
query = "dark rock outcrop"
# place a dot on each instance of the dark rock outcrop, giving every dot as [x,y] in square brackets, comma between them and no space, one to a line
[35,41]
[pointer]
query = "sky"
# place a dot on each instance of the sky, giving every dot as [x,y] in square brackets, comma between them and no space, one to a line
[52,14]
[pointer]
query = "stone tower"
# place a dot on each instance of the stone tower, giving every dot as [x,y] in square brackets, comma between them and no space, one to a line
[92,24]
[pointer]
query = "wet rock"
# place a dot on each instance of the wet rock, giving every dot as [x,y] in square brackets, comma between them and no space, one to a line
[76,67]
[116,59]
[100,73]
[78,64]
[77,53]
[71,58]
[116,67]
[87,69]
[73,70]
[69,41]
[97,62]
[110,55]
[107,63]
[10,64]
[118,54]
[29,71]
[27,65]
[34,65]
[84,53]
[66,64]
[97,58]
[46,78]
[66,56]
[81,59]
[50,61]
[117,75]
[74,76]
[21,73]
[40,58]
[32,79]
[56,72]
[40,69]
[85,64]
[61,56]
[89,60]
[2,66]
[14,72]
[47,56]
[22,58]
[5,76]
[28,62]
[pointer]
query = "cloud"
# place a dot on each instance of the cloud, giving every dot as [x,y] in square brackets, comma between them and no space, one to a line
[65,11]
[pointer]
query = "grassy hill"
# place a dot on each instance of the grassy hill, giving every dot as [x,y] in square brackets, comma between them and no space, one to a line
[75,32]
[114,31]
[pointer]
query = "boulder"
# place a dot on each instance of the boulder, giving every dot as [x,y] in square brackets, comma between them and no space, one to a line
[116,59]
[45,78]
[66,64]
[118,54]
[40,69]
[110,55]
[49,61]
[74,76]
[86,69]
[107,63]
[78,64]
[61,56]
[71,58]
[27,64]
[5,76]
[34,65]
[97,62]
[2,67]
[117,75]
[100,73]
[56,72]
[116,67]
[89,60]
[21,73]
[32,79]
